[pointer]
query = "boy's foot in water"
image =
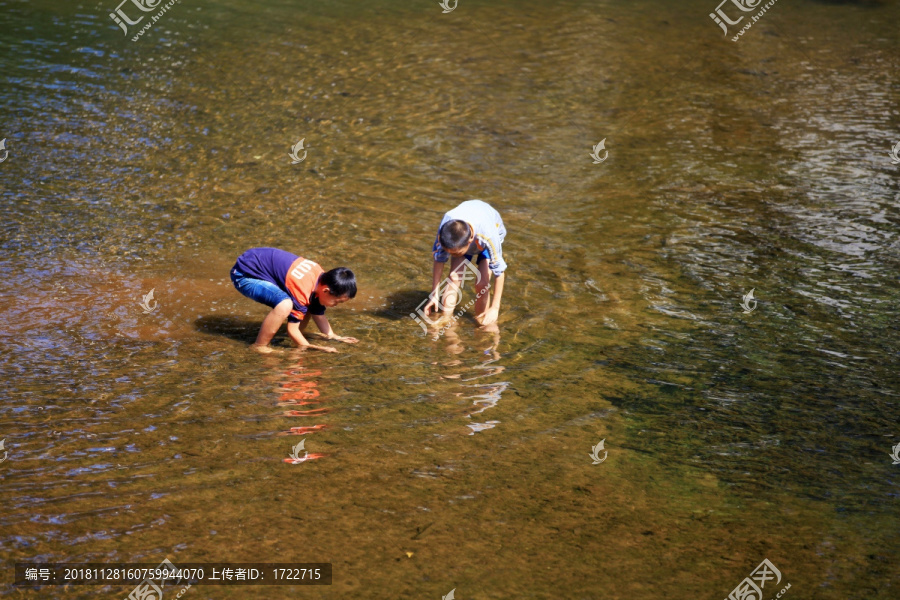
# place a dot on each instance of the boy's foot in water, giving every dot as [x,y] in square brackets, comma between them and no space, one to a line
[262,349]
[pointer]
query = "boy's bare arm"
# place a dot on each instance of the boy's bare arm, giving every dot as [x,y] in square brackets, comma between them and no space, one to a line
[436,272]
[294,332]
[305,322]
[325,327]
[498,291]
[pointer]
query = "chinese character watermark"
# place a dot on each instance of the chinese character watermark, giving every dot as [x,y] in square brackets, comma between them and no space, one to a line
[751,588]
[148,588]
[447,294]
[35,574]
[722,19]
[121,19]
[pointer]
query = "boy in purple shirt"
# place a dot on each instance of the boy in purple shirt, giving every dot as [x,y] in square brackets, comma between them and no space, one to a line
[295,288]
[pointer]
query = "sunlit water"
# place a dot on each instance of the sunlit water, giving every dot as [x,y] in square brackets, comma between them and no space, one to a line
[461,462]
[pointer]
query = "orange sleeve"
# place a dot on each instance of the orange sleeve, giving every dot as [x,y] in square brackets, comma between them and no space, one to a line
[301,282]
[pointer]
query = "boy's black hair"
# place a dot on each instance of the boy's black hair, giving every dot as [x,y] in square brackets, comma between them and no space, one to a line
[340,282]
[454,235]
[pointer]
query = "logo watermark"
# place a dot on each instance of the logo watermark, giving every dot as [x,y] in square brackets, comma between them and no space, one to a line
[449,596]
[122,20]
[295,150]
[6,454]
[447,8]
[596,153]
[595,452]
[469,272]
[6,152]
[895,455]
[722,19]
[146,303]
[895,153]
[296,459]
[295,450]
[751,588]
[745,303]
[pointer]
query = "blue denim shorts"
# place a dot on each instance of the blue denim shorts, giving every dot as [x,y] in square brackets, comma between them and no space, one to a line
[264,292]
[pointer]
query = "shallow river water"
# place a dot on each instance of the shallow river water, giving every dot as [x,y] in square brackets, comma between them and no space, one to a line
[461,462]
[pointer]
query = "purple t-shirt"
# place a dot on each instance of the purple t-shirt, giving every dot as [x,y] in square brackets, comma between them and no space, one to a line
[294,275]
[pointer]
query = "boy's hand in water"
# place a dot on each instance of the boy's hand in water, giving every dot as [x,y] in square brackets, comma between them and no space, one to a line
[345,339]
[322,348]
[433,303]
[488,317]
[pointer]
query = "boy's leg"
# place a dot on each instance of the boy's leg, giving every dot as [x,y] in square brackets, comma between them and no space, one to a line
[273,321]
[481,287]
[453,290]
[264,292]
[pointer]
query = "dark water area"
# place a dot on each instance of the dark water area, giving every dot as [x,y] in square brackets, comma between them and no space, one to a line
[460,462]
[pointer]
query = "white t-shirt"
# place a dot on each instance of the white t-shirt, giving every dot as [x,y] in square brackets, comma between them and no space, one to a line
[489,232]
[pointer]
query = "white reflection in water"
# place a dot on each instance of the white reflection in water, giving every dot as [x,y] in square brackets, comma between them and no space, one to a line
[476,427]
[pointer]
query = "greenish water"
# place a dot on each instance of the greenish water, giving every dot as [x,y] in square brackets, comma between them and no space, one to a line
[463,462]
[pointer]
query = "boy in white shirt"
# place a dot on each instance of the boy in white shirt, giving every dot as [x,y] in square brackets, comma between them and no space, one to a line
[472,228]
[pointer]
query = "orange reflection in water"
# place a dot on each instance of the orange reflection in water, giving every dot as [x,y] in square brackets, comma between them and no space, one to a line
[299,388]
[302,430]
